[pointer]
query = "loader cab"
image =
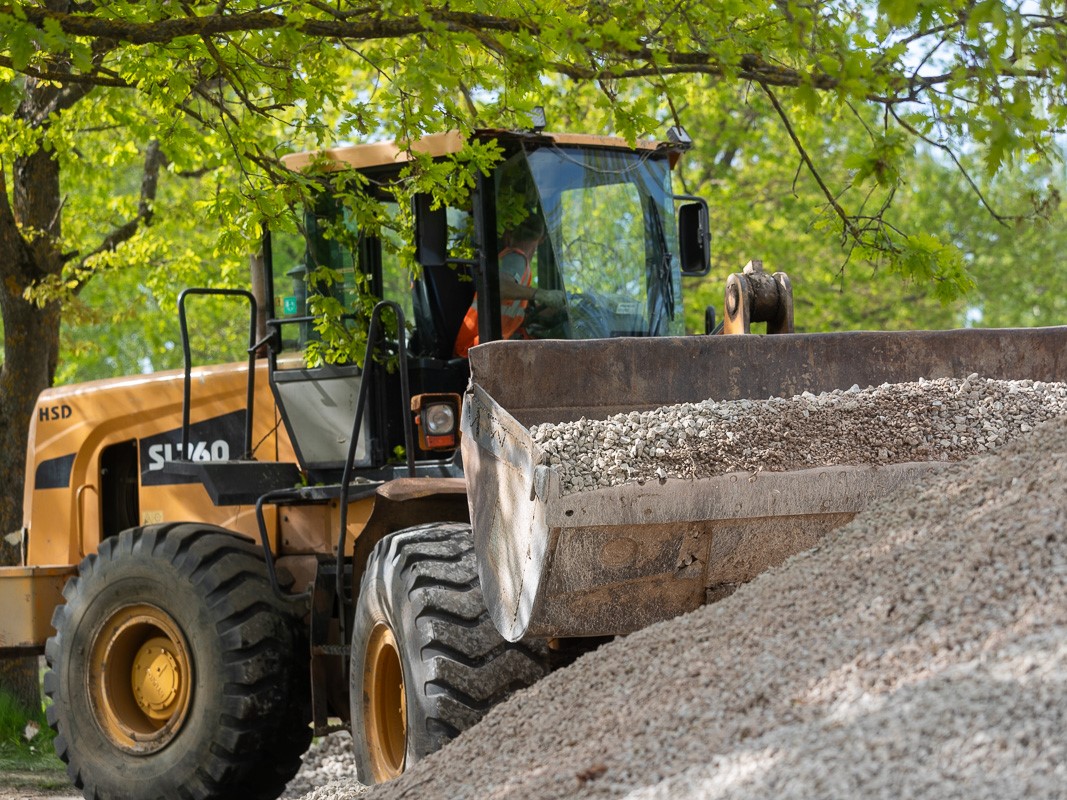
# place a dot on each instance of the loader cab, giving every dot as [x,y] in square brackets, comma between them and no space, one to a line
[612,240]
[318,282]
[570,237]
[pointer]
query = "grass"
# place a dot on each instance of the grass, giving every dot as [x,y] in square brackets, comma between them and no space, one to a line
[27,763]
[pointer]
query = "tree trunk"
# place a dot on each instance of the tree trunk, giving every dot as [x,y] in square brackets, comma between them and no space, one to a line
[31,209]
[29,251]
[30,336]
[19,680]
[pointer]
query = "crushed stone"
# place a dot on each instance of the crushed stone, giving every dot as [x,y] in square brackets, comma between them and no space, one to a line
[920,650]
[947,419]
[326,771]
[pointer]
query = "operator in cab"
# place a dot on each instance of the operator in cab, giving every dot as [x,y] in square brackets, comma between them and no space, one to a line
[516,285]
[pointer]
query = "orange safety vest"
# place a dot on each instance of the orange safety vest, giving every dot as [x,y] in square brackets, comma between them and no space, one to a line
[512,312]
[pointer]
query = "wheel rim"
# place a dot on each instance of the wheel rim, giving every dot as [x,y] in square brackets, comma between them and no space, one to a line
[385,717]
[140,678]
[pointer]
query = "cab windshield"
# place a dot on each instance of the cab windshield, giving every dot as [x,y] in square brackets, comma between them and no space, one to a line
[610,243]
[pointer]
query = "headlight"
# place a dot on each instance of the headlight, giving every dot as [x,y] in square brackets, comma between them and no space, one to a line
[440,419]
[436,414]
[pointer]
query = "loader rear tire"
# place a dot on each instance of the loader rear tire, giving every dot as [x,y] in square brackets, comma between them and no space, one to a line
[176,671]
[427,662]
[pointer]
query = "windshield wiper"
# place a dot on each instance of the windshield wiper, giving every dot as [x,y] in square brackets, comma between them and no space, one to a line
[661,273]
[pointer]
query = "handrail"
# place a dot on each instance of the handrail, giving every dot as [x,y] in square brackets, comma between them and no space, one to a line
[346,476]
[253,345]
[79,515]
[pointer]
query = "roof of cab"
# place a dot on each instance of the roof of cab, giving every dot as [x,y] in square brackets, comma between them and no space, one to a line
[379,154]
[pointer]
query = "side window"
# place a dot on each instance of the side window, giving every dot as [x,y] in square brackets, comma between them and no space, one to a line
[287,257]
[442,293]
[433,305]
[520,225]
[396,272]
[332,237]
[289,285]
[313,272]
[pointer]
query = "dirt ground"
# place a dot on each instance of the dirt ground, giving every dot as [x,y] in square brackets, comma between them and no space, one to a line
[19,786]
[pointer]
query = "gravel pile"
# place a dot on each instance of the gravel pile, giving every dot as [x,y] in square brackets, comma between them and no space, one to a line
[920,651]
[938,420]
[326,762]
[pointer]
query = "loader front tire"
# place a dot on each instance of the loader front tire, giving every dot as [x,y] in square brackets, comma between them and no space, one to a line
[176,671]
[427,662]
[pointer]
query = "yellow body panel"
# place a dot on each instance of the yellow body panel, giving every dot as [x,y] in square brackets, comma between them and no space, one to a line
[374,154]
[28,596]
[73,426]
[67,480]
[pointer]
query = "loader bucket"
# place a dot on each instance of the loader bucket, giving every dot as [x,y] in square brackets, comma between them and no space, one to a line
[612,560]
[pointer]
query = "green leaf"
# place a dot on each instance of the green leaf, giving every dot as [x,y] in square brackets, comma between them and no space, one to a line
[10,96]
[808,97]
[898,12]
[21,44]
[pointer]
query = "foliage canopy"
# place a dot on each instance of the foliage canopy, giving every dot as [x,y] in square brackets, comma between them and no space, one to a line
[978,82]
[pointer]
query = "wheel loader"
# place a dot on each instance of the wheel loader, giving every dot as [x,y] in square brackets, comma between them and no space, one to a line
[223,561]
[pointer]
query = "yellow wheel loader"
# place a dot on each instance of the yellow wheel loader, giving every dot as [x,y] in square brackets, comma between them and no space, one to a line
[223,561]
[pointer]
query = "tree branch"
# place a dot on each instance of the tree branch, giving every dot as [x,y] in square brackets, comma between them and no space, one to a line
[750,67]
[11,238]
[846,220]
[98,78]
[153,162]
[167,30]
[367,25]
[1001,218]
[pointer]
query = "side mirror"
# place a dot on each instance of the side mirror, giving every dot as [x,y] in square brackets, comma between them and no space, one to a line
[431,231]
[694,239]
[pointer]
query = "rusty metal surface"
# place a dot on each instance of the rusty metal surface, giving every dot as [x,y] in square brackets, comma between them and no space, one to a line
[28,596]
[328,656]
[620,375]
[402,503]
[404,489]
[510,532]
[757,296]
[613,560]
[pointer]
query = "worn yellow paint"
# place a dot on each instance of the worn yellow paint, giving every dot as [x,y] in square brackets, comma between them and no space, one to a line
[64,524]
[140,680]
[378,154]
[385,713]
[28,596]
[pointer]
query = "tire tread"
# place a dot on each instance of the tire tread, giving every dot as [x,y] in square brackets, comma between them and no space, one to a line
[255,749]
[427,579]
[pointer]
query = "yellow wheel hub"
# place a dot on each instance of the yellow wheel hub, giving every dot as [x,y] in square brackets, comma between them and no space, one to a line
[385,716]
[140,678]
[157,678]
